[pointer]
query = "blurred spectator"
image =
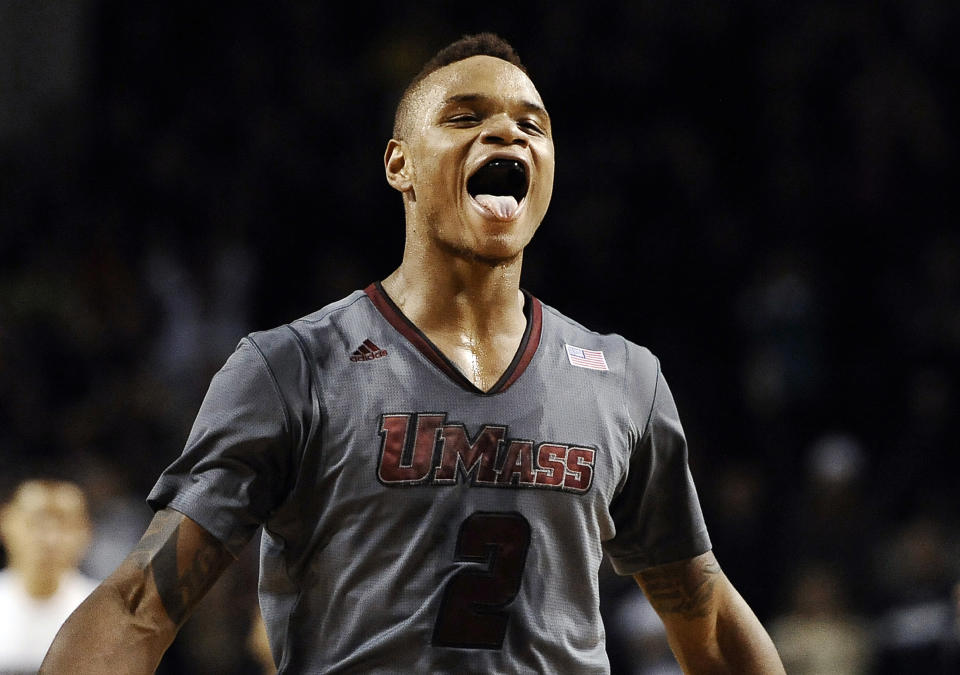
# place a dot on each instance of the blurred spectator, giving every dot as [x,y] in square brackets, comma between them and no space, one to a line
[45,530]
[953,645]
[917,573]
[818,635]
[832,519]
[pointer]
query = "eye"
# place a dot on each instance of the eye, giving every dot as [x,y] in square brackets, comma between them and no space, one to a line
[531,125]
[463,119]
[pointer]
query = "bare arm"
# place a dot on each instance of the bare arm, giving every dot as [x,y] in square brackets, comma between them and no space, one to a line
[710,627]
[129,621]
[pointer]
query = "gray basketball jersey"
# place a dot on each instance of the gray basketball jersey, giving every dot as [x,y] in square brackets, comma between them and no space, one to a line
[415,524]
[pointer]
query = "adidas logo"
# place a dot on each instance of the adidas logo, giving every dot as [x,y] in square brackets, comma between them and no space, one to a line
[367,352]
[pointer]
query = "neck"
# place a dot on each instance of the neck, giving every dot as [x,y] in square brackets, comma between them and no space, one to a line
[447,292]
[471,309]
[39,583]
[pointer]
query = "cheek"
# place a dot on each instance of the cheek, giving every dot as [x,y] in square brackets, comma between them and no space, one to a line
[546,163]
[545,182]
[72,546]
[548,175]
[434,173]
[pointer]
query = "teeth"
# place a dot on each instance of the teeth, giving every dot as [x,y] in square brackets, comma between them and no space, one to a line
[504,164]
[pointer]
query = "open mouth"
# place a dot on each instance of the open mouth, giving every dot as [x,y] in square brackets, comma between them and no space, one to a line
[499,186]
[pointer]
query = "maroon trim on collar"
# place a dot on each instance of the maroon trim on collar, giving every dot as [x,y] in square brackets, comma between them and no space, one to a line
[528,344]
[407,329]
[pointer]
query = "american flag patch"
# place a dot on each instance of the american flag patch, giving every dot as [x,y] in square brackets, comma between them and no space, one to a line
[586,358]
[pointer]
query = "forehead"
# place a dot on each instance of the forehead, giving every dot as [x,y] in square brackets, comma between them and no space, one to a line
[36,498]
[484,75]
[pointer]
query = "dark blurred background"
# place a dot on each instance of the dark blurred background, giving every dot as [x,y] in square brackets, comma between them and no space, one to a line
[759,192]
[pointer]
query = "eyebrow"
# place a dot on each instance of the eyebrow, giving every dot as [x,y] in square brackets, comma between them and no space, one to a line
[482,98]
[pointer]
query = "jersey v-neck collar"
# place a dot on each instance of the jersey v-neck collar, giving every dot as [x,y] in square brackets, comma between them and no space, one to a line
[528,344]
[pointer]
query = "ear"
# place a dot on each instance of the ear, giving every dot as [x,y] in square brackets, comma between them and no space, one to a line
[397,168]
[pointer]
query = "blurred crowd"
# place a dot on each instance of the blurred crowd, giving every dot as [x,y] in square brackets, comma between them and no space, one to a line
[759,192]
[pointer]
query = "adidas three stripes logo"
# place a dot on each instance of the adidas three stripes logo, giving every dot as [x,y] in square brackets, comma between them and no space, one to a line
[367,352]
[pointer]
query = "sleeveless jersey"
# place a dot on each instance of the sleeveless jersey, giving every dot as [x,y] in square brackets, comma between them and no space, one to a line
[415,524]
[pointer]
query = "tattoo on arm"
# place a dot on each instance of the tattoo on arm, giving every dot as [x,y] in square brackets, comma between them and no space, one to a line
[684,587]
[181,589]
[164,523]
[184,565]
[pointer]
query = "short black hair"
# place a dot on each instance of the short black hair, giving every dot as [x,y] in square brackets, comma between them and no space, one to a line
[480,44]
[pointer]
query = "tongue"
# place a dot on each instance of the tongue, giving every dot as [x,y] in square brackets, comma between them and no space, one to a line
[503,207]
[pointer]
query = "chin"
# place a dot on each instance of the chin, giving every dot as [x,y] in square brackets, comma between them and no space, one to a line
[484,239]
[495,251]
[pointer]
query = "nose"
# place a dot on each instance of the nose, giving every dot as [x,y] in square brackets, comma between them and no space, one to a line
[503,130]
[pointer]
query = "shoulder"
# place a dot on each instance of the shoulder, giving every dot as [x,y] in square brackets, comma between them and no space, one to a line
[637,360]
[636,365]
[309,340]
[335,312]
[294,355]
[309,330]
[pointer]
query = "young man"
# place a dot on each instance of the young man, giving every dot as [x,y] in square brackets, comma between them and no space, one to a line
[45,530]
[440,460]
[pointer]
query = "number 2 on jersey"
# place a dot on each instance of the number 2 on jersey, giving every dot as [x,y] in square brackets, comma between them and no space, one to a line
[473,608]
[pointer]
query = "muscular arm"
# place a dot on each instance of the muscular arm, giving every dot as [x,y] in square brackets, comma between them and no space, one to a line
[710,627]
[129,621]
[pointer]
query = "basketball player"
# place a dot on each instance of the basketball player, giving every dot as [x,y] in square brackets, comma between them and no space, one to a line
[440,460]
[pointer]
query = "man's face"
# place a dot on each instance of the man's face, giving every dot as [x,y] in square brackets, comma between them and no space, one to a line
[478,149]
[45,527]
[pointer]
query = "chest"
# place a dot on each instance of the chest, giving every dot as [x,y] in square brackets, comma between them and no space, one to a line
[399,423]
[482,362]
